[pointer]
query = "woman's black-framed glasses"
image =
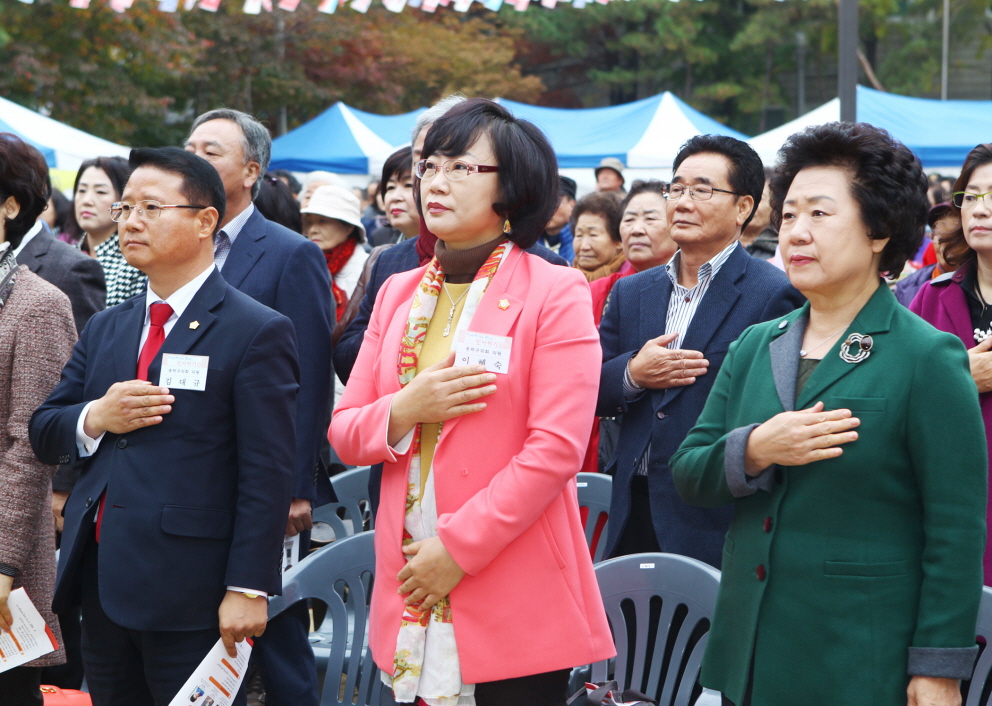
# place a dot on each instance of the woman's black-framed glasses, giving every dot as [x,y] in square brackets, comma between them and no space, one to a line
[697,193]
[453,169]
[147,210]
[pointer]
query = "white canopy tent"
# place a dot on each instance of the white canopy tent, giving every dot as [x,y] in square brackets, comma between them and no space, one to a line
[64,147]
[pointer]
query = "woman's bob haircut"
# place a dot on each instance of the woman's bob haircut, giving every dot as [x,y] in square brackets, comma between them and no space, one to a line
[886,179]
[529,190]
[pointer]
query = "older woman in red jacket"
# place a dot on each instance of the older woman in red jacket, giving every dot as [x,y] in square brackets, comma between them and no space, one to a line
[476,385]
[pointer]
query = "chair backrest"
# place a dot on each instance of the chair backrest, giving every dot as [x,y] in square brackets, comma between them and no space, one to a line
[978,691]
[352,513]
[595,490]
[341,575]
[660,607]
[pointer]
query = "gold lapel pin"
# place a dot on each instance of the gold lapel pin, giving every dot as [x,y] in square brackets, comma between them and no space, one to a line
[194,325]
[504,304]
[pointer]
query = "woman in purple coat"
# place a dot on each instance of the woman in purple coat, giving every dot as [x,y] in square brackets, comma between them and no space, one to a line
[958,302]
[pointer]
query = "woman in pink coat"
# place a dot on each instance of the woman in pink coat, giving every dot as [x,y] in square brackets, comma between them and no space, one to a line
[476,385]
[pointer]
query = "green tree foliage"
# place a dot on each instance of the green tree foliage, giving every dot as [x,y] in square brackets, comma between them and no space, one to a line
[139,77]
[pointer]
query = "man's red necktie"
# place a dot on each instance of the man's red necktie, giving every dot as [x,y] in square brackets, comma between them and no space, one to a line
[159,313]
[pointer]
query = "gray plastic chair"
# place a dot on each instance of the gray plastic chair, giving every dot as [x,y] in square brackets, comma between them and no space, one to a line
[340,575]
[595,490]
[977,691]
[352,513]
[660,607]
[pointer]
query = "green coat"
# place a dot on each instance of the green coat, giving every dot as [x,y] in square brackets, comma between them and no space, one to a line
[845,575]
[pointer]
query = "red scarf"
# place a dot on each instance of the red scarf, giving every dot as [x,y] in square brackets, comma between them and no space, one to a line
[425,244]
[336,259]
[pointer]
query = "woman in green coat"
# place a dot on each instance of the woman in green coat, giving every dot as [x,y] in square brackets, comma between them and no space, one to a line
[849,438]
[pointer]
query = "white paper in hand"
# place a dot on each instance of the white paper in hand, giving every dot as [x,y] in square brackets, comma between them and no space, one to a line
[30,637]
[217,680]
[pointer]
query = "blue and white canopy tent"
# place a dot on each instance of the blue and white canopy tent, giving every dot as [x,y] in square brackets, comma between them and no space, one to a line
[644,135]
[940,133]
[343,140]
[64,147]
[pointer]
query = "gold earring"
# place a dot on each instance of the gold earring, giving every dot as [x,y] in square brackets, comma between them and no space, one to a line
[506,226]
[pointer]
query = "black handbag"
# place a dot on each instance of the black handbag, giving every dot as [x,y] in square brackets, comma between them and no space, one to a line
[607,694]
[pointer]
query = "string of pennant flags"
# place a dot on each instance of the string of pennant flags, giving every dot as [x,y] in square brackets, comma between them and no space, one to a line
[254,7]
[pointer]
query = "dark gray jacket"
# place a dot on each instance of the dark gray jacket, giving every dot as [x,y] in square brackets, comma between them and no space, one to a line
[79,276]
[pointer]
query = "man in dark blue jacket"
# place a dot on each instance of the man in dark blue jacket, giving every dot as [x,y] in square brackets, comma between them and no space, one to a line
[181,404]
[665,333]
[288,273]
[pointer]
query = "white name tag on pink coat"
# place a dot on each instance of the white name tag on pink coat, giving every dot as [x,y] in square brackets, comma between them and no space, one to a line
[484,349]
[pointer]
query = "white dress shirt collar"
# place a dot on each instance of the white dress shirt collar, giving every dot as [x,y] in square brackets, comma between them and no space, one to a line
[179,300]
[35,229]
[707,270]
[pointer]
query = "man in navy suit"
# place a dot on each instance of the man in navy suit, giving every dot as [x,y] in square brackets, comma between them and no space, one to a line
[288,273]
[174,529]
[665,333]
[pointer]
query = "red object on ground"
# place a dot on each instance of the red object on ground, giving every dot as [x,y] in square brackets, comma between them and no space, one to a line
[55,696]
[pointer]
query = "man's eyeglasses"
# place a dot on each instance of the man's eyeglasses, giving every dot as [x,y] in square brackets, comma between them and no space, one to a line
[147,210]
[965,199]
[696,193]
[454,170]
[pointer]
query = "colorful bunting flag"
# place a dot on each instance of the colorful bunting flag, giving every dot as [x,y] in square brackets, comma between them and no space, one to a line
[255,7]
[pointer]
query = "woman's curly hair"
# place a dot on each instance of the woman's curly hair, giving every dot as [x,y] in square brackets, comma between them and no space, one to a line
[887,181]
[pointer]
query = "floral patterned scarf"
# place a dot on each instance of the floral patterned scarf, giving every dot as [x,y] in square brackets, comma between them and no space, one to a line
[8,272]
[426,659]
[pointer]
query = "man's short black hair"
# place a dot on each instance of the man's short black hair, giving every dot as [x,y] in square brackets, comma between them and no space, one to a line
[201,182]
[529,188]
[887,181]
[747,173]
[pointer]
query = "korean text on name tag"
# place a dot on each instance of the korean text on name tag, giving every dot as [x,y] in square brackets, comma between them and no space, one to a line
[484,349]
[184,372]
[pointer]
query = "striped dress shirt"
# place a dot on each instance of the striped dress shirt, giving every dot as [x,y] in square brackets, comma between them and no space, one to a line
[682,308]
[228,234]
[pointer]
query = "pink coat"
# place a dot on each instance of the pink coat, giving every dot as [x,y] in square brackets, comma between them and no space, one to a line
[504,477]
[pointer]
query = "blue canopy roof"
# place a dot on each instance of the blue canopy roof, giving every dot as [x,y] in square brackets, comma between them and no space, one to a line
[645,133]
[343,140]
[940,133]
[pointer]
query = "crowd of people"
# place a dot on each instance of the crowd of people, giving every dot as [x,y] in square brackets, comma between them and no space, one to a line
[785,370]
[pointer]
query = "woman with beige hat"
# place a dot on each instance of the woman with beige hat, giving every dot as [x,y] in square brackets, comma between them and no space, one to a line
[332,219]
